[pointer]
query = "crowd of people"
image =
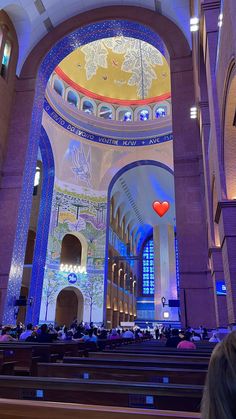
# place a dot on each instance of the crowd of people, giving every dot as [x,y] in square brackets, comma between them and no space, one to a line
[184,339]
[82,332]
[220,389]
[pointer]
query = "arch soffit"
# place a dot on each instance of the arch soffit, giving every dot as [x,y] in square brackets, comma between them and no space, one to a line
[228,148]
[230,74]
[170,33]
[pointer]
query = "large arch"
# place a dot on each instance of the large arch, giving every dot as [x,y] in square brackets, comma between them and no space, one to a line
[32,82]
[229,132]
[70,306]
[123,170]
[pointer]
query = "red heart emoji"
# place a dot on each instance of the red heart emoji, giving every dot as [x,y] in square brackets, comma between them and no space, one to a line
[160,207]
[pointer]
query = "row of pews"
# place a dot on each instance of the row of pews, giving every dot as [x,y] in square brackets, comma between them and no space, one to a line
[145,378]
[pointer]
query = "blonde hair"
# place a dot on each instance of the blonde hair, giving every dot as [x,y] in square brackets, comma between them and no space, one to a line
[219,397]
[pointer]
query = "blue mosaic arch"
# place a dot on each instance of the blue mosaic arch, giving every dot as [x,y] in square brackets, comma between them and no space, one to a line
[40,251]
[60,50]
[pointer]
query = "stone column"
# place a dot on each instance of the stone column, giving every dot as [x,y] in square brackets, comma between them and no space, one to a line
[226,218]
[217,273]
[165,271]
[15,206]
[195,285]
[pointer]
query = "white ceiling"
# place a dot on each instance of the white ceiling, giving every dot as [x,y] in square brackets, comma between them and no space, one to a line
[30,26]
[134,193]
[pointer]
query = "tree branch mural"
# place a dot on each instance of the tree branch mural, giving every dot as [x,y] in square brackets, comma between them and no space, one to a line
[92,288]
[49,291]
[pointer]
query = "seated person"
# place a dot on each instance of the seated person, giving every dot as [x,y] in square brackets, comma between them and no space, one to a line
[195,337]
[186,343]
[6,335]
[220,389]
[214,338]
[128,334]
[89,337]
[43,335]
[174,339]
[113,335]
[28,332]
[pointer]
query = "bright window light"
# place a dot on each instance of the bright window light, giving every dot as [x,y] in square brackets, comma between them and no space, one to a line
[37,176]
[193,112]
[220,20]
[194,24]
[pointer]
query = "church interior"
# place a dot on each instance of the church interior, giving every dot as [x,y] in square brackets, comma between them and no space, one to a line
[117,204]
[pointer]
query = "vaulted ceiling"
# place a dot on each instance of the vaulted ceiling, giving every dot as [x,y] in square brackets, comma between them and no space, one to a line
[33,19]
[118,68]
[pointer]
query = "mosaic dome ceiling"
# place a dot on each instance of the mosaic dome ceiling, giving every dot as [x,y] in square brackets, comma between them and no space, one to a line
[118,70]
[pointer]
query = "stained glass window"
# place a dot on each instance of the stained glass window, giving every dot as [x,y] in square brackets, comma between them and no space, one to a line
[148,268]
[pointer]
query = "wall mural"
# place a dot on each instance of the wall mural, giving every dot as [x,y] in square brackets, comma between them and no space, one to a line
[83,214]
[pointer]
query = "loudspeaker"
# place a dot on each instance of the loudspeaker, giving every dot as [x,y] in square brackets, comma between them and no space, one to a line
[173,303]
[21,302]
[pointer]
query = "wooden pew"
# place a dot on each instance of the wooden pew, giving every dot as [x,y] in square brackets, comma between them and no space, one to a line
[122,373]
[6,367]
[161,351]
[162,362]
[149,357]
[113,393]
[17,409]
[22,356]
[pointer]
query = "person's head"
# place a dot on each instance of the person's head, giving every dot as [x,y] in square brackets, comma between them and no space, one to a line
[29,326]
[187,336]
[220,391]
[44,328]
[175,332]
[90,333]
[6,330]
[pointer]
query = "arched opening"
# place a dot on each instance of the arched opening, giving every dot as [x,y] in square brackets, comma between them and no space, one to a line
[58,87]
[69,306]
[142,247]
[178,50]
[5,59]
[72,98]
[88,107]
[105,112]
[71,250]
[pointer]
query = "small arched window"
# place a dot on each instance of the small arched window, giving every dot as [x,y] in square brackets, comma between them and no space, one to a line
[37,179]
[161,112]
[105,112]
[143,115]
[5,59]
[58,87]
[88,107]
[71,250]
[125,116]
[72,98]
[148,268]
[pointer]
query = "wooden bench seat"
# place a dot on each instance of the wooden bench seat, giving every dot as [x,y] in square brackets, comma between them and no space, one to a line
[123,373]
[173,357]
[140,362]
[113,393]
[19,409]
